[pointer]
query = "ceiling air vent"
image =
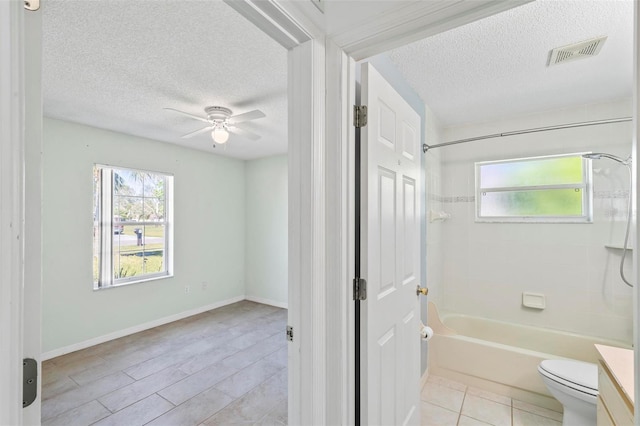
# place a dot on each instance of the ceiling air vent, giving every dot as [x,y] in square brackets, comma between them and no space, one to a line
[571,52]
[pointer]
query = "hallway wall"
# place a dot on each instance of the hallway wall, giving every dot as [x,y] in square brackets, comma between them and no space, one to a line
[266,234]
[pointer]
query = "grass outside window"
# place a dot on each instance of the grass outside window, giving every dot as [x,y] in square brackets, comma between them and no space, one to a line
[132,226]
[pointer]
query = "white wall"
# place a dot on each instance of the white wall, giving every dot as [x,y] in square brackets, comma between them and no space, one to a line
[209,233]
[267,230]
[433,203]
[487,266]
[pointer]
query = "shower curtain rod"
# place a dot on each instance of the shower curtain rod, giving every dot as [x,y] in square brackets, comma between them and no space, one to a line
[426,147]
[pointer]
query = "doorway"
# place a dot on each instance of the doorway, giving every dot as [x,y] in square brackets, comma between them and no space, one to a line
[213,242]
[338,68]
[461,245]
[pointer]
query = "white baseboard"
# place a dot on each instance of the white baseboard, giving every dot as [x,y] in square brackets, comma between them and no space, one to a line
[424,378]
[267,302]
[137,328]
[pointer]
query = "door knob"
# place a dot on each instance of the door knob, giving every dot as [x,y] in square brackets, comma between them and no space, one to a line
[422,291]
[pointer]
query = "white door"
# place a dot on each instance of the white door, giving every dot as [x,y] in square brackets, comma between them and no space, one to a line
[390,261]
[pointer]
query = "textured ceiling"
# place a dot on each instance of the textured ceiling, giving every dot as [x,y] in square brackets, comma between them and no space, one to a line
[497,67]
[116,64]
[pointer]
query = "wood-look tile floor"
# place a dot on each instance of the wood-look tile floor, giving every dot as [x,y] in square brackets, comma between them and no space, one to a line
[225,366]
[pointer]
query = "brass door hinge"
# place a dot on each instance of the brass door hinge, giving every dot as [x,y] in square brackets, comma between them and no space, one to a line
[30,381]
[359,289]
[359,115]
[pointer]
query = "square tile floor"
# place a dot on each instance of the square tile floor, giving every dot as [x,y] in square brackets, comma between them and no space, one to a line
[225,366]
[449,403]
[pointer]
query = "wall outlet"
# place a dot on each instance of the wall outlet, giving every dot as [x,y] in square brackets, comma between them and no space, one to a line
[187,289]
[204,285]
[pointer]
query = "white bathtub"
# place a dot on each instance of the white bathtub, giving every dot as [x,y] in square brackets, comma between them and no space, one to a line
[502,357]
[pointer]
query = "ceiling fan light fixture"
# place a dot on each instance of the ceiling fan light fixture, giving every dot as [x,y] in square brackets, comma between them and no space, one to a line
[220,135]
[221,122]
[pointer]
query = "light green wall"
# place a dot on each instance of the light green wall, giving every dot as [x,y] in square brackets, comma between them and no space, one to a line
[209,233]
[267,230]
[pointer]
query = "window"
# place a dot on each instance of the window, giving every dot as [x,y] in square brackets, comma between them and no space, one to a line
[538,189]
[132,227]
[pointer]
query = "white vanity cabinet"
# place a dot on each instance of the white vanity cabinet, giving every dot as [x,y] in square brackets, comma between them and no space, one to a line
[615,386]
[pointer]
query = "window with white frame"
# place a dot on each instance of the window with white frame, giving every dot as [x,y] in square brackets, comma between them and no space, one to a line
[554,188]
[132,228]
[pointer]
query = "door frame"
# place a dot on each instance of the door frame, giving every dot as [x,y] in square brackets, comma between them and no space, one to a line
[635,236]
[322,86]
[334,168]
[12,215]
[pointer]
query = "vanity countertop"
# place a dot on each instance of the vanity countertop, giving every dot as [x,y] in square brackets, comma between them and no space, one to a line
[619,362]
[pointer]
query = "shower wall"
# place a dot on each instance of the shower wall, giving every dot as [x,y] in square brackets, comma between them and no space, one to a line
[485,267]
[433,204]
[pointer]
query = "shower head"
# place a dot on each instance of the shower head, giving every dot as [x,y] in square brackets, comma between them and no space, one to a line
[600,155]
[627,162]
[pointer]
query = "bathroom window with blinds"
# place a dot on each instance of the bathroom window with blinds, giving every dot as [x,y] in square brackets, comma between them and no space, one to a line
[551,189]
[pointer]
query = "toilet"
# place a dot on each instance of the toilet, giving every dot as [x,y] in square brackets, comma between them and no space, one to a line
[575,385]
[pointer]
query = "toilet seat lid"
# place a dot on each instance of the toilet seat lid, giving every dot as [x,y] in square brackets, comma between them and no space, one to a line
[580,373]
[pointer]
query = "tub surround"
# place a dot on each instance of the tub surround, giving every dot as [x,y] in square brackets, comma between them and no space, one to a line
[485,267]
[617,363]
[433,321]
[503,357]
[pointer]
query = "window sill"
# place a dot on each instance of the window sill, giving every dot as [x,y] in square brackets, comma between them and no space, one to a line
[617,247]
[142,280]
[541,221]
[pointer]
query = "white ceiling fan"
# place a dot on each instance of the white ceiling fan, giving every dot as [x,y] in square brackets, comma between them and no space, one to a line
[221,122]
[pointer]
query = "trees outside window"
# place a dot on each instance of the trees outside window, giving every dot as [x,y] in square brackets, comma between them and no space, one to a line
[132,226]
[554,188]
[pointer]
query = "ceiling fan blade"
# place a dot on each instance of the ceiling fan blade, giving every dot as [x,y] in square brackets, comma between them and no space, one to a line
[244,133]
[188,115]
[251,115]
[197,132]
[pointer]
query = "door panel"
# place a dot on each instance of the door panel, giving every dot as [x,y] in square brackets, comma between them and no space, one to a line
[390,255]
[411,228]
[386,129]
[387,347]
[405,391]
[387,240]
[409,141]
